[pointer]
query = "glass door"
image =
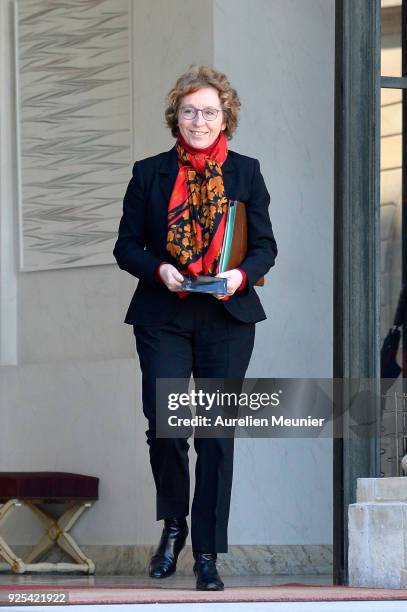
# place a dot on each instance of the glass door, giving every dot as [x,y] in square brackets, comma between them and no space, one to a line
[393,236]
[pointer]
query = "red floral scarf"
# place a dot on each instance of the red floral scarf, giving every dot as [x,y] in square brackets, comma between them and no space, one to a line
[197,208]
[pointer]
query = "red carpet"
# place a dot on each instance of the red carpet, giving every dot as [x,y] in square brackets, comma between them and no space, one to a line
[146,594]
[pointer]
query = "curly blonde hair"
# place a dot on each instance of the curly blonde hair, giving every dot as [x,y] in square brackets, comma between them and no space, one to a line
[196,77]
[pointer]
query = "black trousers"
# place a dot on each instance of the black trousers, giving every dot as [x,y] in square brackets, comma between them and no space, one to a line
[204,340]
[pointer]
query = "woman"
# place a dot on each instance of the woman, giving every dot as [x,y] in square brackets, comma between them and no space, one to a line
[173,222]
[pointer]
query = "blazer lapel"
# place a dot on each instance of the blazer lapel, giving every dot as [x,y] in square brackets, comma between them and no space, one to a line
[168,173]
[229,177]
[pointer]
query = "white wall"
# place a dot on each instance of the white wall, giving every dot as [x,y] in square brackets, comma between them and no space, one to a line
[78,313]
[8,190]
[279,55]
[73,402]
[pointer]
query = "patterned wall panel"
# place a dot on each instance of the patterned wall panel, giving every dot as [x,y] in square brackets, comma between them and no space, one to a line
[74,129]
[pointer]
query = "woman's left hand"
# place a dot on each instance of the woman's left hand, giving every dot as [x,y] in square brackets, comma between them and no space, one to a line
[234,279]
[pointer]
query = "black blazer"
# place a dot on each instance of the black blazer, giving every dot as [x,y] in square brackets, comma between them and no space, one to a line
[141,242]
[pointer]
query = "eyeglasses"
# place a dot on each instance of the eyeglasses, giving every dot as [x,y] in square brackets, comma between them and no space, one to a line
[190,112]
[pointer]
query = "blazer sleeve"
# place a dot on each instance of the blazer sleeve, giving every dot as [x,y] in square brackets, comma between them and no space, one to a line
[130,251]
[261,244]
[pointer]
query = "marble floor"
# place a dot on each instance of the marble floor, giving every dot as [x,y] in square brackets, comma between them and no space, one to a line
[173,582]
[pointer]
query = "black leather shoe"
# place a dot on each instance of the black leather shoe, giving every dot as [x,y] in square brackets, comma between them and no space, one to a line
[164,561]
[207,577]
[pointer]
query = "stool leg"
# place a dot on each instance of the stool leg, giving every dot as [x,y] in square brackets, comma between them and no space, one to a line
[48,539]
[44,545]
[71,515]
[66,541]
[56,533]
[16,564]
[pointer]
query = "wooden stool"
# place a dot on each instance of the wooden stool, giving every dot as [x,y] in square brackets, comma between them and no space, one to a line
[32,489]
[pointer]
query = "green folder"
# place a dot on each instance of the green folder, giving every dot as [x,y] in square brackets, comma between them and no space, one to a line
[228,237]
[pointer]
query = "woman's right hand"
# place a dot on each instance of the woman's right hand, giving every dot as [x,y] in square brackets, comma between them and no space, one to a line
[171,277]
